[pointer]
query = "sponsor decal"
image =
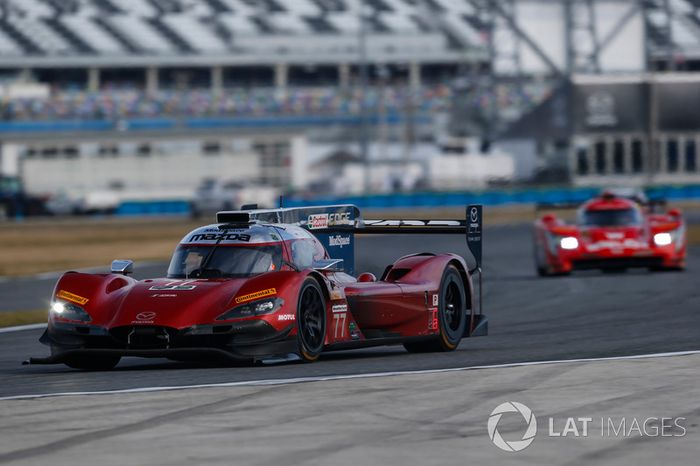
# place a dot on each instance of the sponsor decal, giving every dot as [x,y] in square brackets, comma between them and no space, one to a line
[337,295]
[67,295]
[146,315]
[413,223]
[354,332]
[613,235]
[436,300]
[339,240]
[474,214]
[256,295]
[617,245]
[163,295]
[228,236]
[316,221]
[433,322]
[185,285]
[286,317]
[340,308]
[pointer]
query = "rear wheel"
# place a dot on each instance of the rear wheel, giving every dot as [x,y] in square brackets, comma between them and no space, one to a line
[452,315]
[311,321]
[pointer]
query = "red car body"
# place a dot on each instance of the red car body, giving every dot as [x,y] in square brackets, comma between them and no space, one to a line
[611,233]
[242,289]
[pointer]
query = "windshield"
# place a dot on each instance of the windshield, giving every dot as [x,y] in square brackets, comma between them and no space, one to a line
[225,261]
[610,217]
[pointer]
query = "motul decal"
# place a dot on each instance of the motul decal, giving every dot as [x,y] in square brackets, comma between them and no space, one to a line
[256,295]
[67,295]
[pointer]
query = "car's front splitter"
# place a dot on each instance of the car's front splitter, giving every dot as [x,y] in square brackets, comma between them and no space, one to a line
[202,342]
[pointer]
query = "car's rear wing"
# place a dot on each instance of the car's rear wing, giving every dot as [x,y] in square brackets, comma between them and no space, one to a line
[336,225]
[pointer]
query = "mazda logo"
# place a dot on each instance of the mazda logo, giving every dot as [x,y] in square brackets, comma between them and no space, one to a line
[145,316]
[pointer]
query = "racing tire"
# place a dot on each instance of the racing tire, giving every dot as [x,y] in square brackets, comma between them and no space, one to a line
[452,315]
[311,321]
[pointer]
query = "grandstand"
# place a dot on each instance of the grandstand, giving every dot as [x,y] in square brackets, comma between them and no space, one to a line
[434,68]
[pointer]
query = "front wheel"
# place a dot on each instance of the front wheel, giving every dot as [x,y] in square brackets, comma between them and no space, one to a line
[311,320]
[452,315]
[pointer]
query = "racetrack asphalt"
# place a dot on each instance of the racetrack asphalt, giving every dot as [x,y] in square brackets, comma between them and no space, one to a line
[586,315]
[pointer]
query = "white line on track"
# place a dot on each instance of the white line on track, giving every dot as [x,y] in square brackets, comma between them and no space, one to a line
[20,328]
[323,378]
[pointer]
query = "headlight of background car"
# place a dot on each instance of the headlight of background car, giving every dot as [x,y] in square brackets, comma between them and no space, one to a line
[70,311]
[671,237]
[255,308]
[569,243]
[663,239]
[554,242]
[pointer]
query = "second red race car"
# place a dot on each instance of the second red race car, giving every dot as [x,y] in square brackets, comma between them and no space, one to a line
[611,232]
[270,285]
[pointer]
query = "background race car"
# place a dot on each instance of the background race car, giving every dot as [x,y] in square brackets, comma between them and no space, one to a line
[266,284]
[611,232]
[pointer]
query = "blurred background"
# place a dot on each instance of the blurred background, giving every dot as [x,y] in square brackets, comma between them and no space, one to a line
[182,107]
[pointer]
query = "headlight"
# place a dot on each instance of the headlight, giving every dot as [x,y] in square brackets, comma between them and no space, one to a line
[663,239]
[70,311]
[255,308]
[569,243]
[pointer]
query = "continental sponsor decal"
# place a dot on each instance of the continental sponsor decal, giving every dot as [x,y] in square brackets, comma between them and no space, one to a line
[256,295]
[67,295]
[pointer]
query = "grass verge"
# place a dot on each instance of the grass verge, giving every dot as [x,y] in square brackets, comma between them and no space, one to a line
[12,318]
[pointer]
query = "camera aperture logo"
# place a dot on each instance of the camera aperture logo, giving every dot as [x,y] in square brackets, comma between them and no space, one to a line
[528,436]
[580,427]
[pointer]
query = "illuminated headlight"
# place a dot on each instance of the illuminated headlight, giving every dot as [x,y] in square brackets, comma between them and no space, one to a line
[70,311]
[663,239]
[255,308]
[569,243]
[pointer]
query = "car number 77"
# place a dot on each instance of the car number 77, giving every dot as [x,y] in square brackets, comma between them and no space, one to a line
[337,318]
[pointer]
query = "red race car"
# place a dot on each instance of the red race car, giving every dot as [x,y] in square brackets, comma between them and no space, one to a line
[270,285]
[611,232]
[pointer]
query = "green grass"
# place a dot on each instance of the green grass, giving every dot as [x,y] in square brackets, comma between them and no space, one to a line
[12,318]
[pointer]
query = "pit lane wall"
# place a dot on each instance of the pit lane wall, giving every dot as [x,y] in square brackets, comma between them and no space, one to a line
[430,199]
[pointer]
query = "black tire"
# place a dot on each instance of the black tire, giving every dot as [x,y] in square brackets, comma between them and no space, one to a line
[311,321]
[452,315]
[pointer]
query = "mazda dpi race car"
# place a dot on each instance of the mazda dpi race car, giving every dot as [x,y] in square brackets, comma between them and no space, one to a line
[611,233]
[270,285]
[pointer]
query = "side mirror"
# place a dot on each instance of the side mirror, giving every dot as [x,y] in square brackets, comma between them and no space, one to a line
[122,267]
[329,265]
[675,213]
[549,218]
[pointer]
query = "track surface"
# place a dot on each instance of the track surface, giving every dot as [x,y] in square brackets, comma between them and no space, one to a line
[531,319]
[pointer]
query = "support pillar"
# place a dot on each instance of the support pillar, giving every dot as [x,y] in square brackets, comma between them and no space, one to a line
[93,81]
[281,75]
[152,80]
